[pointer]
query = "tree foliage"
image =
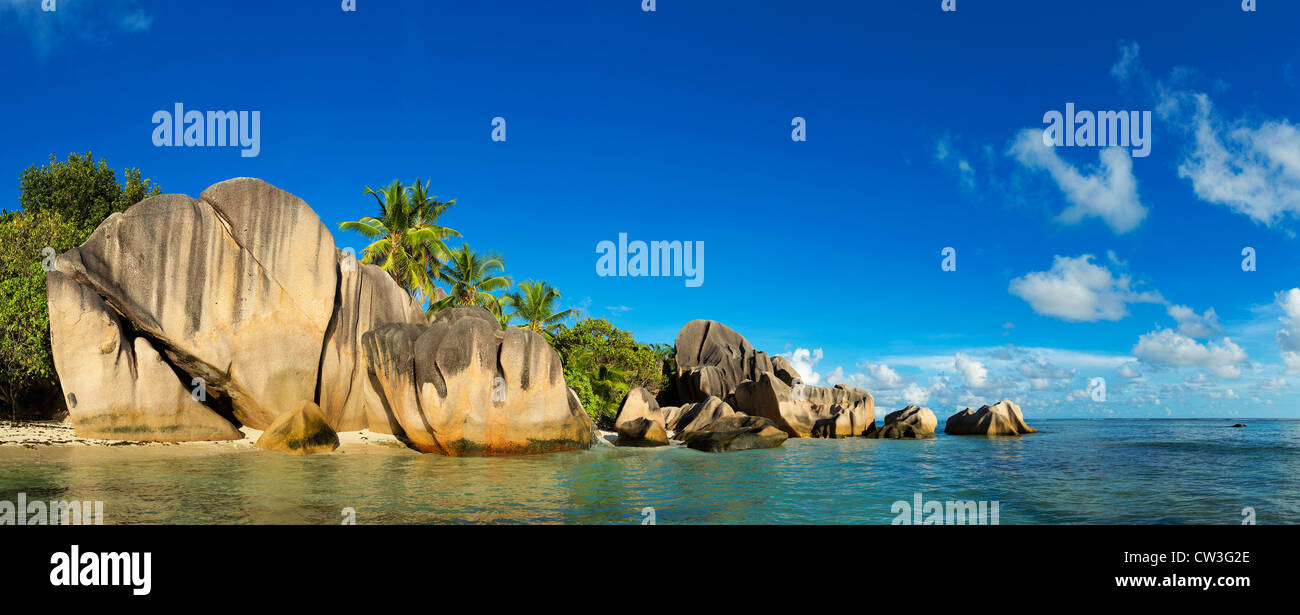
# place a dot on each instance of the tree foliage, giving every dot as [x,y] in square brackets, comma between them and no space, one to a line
[602,363]
[25,357]
[407,241]
[62,204]
[81,190]
[534,304]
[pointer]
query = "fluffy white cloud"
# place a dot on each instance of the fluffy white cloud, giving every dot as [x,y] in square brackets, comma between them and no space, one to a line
[1288,337]
[915,394]
[1191,324]
[1252,168]
[1292,362]
[803,361]
[1168,347]
[1108,192]
[973,373]
[1128,371]
[1078,290]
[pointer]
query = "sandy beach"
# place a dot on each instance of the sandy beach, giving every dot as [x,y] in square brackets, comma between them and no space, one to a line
[21,436]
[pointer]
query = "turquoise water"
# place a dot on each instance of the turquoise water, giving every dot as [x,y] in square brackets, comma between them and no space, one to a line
[1075,471]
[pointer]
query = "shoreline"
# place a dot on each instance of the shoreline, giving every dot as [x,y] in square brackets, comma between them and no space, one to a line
[61,435]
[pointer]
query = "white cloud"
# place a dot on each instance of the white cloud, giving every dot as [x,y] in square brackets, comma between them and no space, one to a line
[1170,348]
[1292,362]
[1108,192]
[74,21]
[973,373]
[1126,66]
[915,394]
[944,153]
[1078,290]
[1288,337]
[1195,325]
[803,361]
[1252,168]
[1127,370]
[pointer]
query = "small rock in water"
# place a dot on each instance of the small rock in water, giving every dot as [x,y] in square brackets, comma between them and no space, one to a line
[1238,425]
[737,432]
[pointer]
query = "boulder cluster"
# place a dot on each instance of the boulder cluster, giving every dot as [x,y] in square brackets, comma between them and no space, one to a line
[185,319]
[723,385]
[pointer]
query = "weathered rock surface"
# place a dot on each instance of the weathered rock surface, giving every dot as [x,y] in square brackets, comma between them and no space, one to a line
[303,430]
[806,411]
[236,287]
[462,386]
[784,370]
[639,406]
[367,299]
[910,423]
[118,387]
[712,360]
[1000,419]
[641,432]
[694,417]
[736,432]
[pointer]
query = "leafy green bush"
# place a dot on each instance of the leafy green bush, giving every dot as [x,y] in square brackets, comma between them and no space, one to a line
[81,190]
[63,203]
[25,359]
[602,362]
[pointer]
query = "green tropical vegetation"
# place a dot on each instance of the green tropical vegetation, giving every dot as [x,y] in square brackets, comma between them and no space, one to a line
[62,204]
[535,304]
[473,278]
[64,201]
[602,363]
[407,241]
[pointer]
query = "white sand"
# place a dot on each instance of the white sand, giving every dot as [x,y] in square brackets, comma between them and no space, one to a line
[42,434]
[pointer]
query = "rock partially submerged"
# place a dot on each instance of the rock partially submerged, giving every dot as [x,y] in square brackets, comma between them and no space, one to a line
[805,411]
[303,430]
[640,421]
[694,417]
[910,423]
[737,432]
[641,432]
[462,386]
[1000,419]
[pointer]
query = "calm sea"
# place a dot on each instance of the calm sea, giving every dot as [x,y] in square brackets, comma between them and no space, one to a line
[1075,471]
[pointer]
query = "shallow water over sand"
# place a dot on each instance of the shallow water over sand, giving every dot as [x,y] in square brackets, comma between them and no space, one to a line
[1075,471]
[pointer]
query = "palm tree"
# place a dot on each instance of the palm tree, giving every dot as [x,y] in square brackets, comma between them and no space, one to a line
[473,277]
[534,303]
[407,242]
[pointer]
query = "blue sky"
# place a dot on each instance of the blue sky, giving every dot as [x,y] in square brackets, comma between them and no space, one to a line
[1072,262]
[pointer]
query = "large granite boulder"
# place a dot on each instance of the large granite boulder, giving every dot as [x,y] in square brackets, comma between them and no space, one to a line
[694,417]
[303,430]
[737,432]
[462,386]
[782,368]
[117,386]
[368,298]
[910,423]
[805,411]
[236,287]
[640,421]
[1001,419]
[712,360]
